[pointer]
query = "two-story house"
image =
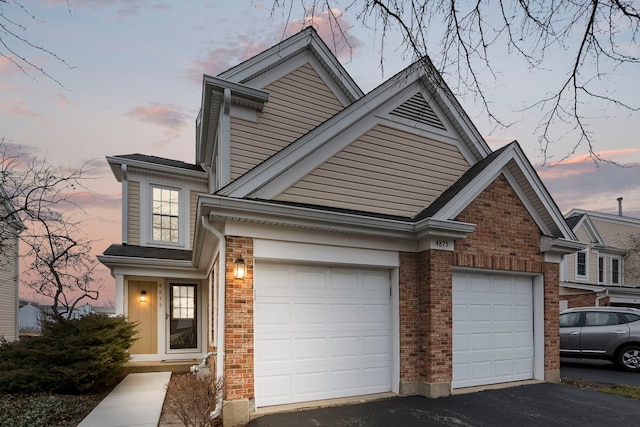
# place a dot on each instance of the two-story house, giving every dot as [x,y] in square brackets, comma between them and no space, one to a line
[606,272]
[10,228]
[329,243]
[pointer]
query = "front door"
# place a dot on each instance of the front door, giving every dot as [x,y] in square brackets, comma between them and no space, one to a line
[183,323]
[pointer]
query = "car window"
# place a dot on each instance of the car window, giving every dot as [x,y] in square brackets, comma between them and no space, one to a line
[628,317]
[569,320]
[601,319]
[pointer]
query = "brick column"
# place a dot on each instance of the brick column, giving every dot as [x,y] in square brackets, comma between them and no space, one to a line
[238,358]
[551,322]
[436,321]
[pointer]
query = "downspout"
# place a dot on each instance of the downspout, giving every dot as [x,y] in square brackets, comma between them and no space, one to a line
[604,295]
[125,204]
[220,301]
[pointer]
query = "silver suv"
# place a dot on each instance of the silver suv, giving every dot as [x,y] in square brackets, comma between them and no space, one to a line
[611,333]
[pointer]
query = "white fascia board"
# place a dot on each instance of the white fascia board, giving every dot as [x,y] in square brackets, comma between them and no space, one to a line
[163,264]
[536,183]
[586,222]
[582,286]
[606,217]
[430,227]
[155,167]
[490,173]
[297,216]
[237,89]
[561,246]
[473,189]
[314,219]
[447,101]
[266,60]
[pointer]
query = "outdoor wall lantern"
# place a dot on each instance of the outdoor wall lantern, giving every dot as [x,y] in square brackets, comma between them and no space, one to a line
[239,269]
[143,296]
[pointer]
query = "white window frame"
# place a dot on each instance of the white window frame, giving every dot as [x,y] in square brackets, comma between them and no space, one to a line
[182,215]
[602,278]
[618,271]
[586,265]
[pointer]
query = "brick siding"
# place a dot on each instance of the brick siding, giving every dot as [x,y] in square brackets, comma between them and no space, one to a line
[238,359]
[506,238]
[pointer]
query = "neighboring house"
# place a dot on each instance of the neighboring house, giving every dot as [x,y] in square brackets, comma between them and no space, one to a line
[605,272]
[30,317]
[10,228]
[329,243]
[31,314]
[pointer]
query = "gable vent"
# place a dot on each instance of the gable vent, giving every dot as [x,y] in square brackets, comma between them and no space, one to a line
[418,110]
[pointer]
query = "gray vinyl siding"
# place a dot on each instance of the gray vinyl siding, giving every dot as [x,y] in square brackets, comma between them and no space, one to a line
[385,171]
[9,289]
[298,102]
[133,217]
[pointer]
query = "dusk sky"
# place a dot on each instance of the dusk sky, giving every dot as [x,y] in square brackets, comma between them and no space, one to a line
[134,86]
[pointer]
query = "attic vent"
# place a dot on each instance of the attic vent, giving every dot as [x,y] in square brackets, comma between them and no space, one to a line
[418,110]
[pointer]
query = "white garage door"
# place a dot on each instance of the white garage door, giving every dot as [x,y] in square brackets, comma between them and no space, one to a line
[320,333]
[492,329]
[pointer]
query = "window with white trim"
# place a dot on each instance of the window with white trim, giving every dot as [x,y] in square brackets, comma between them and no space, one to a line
[165,213]
[615,271]
[601,269]
[581,264]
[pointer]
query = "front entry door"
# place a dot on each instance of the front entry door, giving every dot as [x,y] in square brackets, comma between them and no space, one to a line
[183,323]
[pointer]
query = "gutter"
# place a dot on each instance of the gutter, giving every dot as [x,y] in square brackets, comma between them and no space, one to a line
[219,301]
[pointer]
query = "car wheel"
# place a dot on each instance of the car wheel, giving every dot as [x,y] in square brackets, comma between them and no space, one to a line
[629,358]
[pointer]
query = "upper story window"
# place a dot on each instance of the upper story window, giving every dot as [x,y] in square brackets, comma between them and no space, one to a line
[581,264]
[165,214]
[600,269]
[615,271]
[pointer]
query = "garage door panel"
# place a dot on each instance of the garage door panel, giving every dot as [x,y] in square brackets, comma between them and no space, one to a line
[338,333]
[492,329]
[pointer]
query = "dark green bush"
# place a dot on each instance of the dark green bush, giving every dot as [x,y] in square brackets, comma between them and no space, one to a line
[71,356]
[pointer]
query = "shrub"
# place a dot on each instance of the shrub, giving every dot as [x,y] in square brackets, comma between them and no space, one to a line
[192,398]
[71,356]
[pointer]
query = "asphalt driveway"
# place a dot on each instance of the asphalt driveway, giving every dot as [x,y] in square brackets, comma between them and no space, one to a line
[531,405]
[600,371]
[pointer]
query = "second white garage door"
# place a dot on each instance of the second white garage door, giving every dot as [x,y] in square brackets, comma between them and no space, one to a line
[320,333]
[492,329]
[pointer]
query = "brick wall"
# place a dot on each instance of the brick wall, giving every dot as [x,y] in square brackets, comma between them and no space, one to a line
[409,318]
[506,236]
[436,316]
[239,322]
[583,300]
[551,317]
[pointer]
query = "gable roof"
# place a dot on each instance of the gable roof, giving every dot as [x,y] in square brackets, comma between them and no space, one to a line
[510,161]
[234,83]
[291,163]
[306,40]
[8,209]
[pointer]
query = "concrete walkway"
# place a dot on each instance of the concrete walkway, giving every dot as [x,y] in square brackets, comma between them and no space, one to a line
[136,401]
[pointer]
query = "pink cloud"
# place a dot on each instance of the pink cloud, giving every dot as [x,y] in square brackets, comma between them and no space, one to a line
[581,183]
[16,108]
[168,116]
[218,60]
[331,27]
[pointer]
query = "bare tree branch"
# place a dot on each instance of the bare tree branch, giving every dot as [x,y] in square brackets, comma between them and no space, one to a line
[60,266]
[463,38]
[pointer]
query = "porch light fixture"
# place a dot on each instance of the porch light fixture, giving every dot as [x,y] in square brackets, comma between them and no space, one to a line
[239,268]
[143,296]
